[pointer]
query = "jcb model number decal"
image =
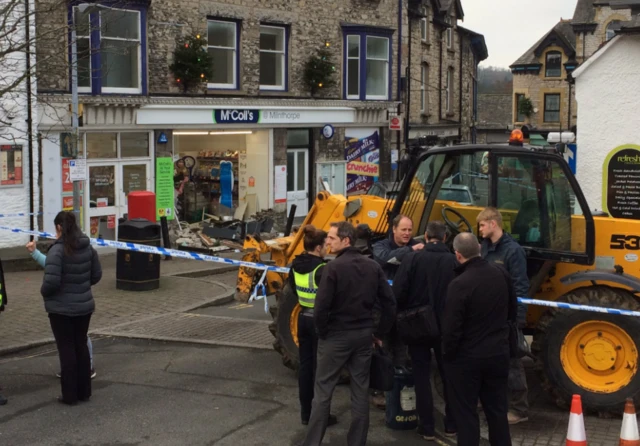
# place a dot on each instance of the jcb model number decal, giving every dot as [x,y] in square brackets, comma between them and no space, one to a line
[619,241]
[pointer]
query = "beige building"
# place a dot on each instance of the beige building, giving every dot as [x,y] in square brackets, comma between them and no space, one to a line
[542,76]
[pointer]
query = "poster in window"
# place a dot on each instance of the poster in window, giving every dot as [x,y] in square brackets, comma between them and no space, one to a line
[67,184]
[11,156]
[363,160]
[102,186]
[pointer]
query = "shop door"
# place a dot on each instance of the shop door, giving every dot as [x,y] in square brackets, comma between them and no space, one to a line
[135,177]
[104,199]
[298,181]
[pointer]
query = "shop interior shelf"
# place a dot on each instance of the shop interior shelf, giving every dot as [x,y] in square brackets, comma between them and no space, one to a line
[218,158]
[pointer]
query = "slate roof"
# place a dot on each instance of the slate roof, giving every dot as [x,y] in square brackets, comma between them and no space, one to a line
[494,111]
[446,4]
[563,30]
[585,12]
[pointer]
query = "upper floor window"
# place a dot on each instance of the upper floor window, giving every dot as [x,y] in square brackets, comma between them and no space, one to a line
[424,29]
[368,66]
[520,117]
[552,107]
[612,27]
[119,65]
[449,22]
[449,91]
[273,57]
[424,81]
[553,65]
[223,48]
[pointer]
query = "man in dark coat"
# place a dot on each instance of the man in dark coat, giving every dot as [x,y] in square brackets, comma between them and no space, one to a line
[475,342]
[500,248]
[423,279]
[351,286]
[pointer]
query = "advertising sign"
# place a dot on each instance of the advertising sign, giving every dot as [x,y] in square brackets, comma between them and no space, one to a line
[164,188]
[621,182]
[363,158]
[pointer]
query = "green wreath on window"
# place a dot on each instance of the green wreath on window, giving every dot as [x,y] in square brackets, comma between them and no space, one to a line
[192,64]
[525,106]
[319,71]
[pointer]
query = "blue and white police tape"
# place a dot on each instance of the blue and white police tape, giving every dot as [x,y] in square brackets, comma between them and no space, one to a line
[158,250]
[20,214]
[568,306]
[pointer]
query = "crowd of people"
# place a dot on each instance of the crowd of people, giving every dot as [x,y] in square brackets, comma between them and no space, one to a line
[454,301]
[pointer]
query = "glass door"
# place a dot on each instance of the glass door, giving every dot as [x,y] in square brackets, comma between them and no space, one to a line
[298,181]
[104,200]
[135,177]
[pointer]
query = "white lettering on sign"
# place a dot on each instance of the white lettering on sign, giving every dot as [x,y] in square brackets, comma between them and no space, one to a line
[287,116]
[236,115]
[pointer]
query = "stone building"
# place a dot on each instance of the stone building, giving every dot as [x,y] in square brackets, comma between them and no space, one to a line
[494,118]
[444,61]
[256,110]
[543,74]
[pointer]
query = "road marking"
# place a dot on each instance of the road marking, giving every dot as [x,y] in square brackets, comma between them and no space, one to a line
[241,306]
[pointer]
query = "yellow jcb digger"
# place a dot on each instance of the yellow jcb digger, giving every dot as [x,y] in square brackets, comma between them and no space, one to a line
[573,256]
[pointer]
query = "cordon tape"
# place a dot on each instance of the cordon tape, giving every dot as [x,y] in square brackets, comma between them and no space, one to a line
[259,291]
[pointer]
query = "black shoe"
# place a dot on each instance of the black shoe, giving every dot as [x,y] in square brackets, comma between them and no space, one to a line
[93,373]
[3,400]
[430,435]
[450,432]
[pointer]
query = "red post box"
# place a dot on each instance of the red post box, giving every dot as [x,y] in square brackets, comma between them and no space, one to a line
[142,204]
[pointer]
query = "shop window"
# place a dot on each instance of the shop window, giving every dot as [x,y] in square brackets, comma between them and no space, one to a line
[449,91]
[424,29]
[298,138]
[368,63]
[11,157]
[111,50]
[102,189]
[102,145]
[552,108]
[273,52]
[553,65]
[223,48]
[134,145]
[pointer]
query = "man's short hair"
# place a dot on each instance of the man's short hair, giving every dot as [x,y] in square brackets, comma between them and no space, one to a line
[396,221]
[345,230]
[436,230]
[489,214]
[467,245]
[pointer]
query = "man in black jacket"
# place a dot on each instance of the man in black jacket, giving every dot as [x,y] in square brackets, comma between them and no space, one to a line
[351,286]
[422,280]
[499,247]
[390,251]
[475,343]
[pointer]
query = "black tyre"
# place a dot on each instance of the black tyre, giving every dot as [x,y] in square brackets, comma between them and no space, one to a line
[285,326]
[591,354]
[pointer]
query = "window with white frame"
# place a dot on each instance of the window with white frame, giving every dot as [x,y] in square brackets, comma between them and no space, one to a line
[449,91]
[449,32]
[222,47]
[273,52]
[423,29]
[118,65]
[424,81]
[367,60]
[353,67]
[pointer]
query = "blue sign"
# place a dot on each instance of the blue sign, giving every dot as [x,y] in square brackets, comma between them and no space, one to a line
[571,155]
[236,116]
[162,139]
[328,131]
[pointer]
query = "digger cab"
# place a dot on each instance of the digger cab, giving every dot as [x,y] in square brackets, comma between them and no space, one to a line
[540,200]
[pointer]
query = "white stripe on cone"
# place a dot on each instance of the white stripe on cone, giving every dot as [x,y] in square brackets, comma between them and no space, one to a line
[576,428]
[629,429]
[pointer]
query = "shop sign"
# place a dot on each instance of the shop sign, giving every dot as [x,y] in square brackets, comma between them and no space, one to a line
[363,156]
[67,184]
[164,188]
[621,182]
[395,123]
[78,169]
[236,116]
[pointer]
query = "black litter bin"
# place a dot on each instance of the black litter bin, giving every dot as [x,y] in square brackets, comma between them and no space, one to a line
[138,271]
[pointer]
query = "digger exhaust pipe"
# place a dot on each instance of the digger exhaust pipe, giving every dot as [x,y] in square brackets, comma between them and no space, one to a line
[292,214]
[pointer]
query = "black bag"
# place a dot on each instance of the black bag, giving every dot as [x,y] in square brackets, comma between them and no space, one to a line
[382,371]
[417,325]
[518,345]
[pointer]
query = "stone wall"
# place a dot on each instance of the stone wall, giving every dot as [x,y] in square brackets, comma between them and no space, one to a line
[593,41]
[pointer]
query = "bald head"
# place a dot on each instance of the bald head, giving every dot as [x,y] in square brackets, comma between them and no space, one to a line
[466,246]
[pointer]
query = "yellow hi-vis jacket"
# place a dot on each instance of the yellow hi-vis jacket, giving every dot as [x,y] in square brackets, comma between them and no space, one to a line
[306,287]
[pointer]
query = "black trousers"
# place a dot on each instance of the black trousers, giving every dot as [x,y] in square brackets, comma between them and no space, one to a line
[485,379]
[308,347]
[421,361]
[71,338]
[353,349]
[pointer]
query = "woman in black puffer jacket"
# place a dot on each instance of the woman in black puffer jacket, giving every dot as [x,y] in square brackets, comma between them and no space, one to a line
[71,268]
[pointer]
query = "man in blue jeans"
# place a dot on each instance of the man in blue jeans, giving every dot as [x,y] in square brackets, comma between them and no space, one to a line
[40,259]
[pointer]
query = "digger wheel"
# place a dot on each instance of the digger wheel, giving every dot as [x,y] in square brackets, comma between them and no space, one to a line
[591,354]
[285,326]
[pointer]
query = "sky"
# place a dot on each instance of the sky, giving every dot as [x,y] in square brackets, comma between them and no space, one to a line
[511,27]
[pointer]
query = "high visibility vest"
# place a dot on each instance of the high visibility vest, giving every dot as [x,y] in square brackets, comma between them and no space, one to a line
[306,287]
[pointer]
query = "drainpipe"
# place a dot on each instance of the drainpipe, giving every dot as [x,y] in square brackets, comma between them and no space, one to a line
[27,22]
[460,94]
[474,130]
[569,112]
[440,78]
[408,108]
[399,78]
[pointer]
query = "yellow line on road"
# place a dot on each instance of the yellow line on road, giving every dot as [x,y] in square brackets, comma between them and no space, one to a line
[241,306]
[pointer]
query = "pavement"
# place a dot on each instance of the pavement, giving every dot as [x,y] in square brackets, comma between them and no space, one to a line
[190,362]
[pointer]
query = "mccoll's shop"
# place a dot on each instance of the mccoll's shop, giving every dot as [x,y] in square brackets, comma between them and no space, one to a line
[214,159]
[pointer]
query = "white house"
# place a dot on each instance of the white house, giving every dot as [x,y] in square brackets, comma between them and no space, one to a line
[608,94]
[19,189]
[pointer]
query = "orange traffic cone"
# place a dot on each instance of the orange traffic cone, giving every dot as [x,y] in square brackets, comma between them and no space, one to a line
[576,435]
[629,433]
